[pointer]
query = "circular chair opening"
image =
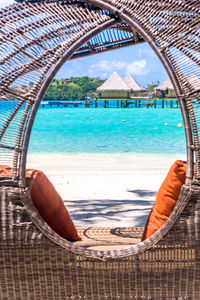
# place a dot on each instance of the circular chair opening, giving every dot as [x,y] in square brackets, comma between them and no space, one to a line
[36,38]
[99,238]
[94,21]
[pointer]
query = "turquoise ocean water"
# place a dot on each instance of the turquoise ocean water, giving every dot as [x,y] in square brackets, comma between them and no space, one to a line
[107,130]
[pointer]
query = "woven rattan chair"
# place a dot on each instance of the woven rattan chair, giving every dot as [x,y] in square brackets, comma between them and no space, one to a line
[36,38]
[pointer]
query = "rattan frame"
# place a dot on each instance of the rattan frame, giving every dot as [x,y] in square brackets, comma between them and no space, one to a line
[147,37]
[141,271]
[121,13]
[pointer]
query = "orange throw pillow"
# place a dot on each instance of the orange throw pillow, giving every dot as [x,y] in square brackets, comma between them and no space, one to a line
[166,198]
[5,171]
[48,203]
[51,206]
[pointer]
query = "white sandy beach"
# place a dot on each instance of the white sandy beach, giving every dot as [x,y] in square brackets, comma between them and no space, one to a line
[105,189]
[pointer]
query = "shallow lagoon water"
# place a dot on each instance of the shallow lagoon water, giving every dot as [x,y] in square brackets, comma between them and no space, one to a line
[107,130]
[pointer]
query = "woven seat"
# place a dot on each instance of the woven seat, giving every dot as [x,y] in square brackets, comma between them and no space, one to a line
[36,39]
[105,238]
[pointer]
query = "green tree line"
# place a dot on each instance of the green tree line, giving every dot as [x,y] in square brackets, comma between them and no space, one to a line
[74,88]
[151,86]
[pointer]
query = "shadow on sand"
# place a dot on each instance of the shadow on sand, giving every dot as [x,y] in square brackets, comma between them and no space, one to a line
[143,193]
[109,211]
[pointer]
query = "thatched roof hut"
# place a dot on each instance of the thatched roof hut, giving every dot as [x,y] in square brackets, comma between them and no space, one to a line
[167,89]
[167,84]
[133,84]
[114,83]
[114,87]
[193,80]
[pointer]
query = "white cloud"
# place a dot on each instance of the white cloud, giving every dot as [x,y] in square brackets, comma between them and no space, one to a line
[138,68]
[4,3]
[98,73]
[105,65]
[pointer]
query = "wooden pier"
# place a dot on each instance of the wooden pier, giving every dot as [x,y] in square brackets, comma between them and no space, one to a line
[66,103]
[136,102]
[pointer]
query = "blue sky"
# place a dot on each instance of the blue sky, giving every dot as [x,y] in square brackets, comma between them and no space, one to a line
[140,61]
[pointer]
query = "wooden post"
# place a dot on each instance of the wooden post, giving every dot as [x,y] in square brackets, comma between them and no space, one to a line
[117,103]
[176,103]
[136,103]
[155,103]
[104,103]
[171,103]
[163,103]
[166,103]
[139,103]
[121,103]
[107,103]
[96,103]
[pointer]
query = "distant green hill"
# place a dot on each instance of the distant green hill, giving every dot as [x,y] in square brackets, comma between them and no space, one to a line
[74,88]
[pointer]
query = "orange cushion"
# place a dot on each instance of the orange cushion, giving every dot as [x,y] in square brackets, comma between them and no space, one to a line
[5,171]
[166,198]
[48,203]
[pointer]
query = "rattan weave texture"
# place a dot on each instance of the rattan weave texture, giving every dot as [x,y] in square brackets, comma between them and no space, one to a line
[34,266]
[36,39]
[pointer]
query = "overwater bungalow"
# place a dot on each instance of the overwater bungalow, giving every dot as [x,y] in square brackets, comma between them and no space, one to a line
[136,89]
[114,87]
[165,89]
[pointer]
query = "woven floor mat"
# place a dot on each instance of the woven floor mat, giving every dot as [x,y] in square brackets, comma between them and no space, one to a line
[109,238]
